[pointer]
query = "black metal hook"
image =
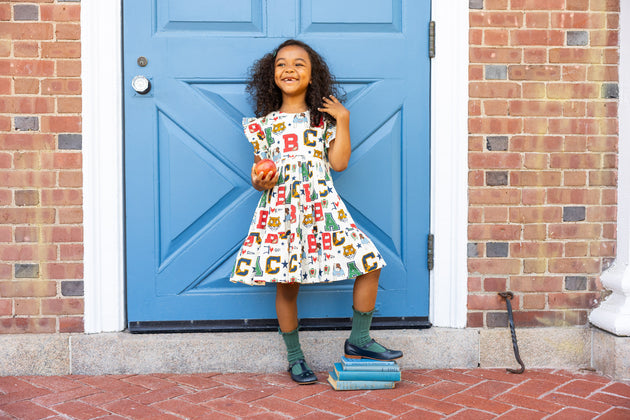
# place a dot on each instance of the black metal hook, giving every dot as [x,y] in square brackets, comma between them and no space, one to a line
[508,297]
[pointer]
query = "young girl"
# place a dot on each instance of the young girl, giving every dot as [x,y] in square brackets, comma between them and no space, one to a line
[301,231]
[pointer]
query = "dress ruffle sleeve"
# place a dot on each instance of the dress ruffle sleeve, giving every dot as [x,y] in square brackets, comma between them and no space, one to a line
[330,132]
[256,136]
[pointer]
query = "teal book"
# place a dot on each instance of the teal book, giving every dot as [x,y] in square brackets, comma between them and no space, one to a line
[357,385]
[365,375]
[369,365]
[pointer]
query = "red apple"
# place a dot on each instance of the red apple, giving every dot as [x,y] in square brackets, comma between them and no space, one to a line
[265,167]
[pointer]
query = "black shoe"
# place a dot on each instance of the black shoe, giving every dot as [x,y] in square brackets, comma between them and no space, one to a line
[306,377]
[356,352]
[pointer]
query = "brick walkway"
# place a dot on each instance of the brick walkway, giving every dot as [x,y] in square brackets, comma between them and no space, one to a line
[422,394]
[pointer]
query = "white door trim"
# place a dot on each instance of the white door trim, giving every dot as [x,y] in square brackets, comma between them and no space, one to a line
[103,193]
[613,314]
[101,24]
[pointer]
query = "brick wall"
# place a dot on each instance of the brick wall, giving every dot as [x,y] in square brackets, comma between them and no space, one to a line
[542,156]
[41,233]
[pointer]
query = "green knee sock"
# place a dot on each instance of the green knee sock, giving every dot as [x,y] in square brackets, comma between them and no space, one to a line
[294,350]
[360,334]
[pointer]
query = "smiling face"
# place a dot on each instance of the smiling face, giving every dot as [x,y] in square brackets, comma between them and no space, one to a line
[292,71]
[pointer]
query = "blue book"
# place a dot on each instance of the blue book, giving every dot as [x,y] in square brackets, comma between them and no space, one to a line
[365,375]
[369,365]
[356,385]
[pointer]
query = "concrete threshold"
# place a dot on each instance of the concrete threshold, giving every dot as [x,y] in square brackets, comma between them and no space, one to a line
[434,348]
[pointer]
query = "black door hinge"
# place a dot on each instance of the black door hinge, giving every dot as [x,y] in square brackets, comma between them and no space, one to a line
[432,39]
[430,252]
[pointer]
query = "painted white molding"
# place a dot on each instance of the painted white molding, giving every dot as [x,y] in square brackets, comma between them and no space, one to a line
[449,165]
[101,24]
[101,52]
[613,315]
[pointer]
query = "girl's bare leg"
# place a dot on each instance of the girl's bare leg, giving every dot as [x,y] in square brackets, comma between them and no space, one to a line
[286,306]
[365,290]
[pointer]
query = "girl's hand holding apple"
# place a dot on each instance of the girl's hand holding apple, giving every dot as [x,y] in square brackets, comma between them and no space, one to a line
[264,175]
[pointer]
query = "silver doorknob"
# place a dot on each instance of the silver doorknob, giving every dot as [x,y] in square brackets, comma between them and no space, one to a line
[141,84]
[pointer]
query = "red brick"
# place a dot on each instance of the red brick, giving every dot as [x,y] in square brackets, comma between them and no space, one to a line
[495,214]
[495,107]
[69,68]
[494,90]
[605,38]
[602,109]
[574,126]
[536,283]
[34,68]
[536,249]
[494,232]
[603,249]
[573,109]
[535,125]
[494,55]
[25,86]
[574,231]
[495,4]
[494,284]
[60,12]
[534,266]
[61,86]
[496,19]
[573,196]
[18,325]
[536,143]
[533,55]
[61,124]
[61,49]
[26,105]
[474,320]
[22,30]
[63,270]
[576,249]
[342,408]
[70,179]
[492,160]
[577,4]
[542,108]
[69,105]
[28,252]
[28,178]
[132,409]
[494,266]
[27,409]
[65,306]
[5,86]
[70,215]
[536,19]
[475,215]
[476,178]
[578,20]
[574,73]
[535,178]
[575,265]
[61,160]
[538,319]
[602,178]
[576,160]
[27,216]
[496,37]
[27,306]
[537,4]
[534,196]
[534,301]
[573,300]
[536,37]
[573,90]
[576,55]
[27,160]
[68,31]
[605,5]
[534,90]
[25,49]
[62,197]
[27,289]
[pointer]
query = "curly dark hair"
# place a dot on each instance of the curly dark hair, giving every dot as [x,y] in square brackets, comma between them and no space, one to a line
[267,96]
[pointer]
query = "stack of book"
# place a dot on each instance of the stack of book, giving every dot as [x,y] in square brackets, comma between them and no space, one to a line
[353,374]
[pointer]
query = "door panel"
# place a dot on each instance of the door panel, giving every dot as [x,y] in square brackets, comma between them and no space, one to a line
[188,195]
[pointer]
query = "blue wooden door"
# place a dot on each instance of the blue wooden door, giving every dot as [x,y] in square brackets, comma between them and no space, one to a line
[188,195]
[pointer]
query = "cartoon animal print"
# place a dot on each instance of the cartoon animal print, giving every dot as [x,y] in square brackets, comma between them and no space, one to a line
[274,223]
[349,251]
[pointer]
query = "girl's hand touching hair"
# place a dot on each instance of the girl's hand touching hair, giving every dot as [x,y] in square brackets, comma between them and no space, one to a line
[335,109]
[264,182]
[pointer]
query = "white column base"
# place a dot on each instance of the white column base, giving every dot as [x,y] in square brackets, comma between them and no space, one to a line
[613,315]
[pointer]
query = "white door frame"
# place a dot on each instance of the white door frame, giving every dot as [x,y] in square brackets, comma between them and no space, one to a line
[103,192]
